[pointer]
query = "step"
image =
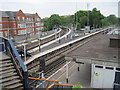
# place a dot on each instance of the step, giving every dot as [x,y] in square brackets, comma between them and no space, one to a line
[8,61]
[3,56]
[8,71]
[11,83]
[5,65]
[20,88]
[9,79]
[7,75]
[6,68]
[15,86]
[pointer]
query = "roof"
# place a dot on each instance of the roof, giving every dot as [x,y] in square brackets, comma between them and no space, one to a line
[3,14]
[9,14]
[27,14]
[97,48]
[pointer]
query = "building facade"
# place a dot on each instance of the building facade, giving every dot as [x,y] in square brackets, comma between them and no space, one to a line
[19,23]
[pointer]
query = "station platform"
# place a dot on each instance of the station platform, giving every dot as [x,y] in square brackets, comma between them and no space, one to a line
[74,76]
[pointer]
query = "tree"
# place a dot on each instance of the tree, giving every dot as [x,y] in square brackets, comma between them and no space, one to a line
[112,19]
[105,22]
[95,18]
[80,19]
[83,21]
[54,21]
[46,24]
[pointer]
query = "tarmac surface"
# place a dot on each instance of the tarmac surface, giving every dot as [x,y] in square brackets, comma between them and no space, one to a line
[83,76]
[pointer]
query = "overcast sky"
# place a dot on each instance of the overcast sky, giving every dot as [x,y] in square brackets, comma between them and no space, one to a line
[45,8]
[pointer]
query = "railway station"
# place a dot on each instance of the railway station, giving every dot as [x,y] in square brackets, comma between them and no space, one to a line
[78,61]
[76,51]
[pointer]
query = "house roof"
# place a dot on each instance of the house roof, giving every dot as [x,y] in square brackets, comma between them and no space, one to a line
[27,14]
[11,14]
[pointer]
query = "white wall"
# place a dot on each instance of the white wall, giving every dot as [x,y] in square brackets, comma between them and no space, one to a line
[102,76]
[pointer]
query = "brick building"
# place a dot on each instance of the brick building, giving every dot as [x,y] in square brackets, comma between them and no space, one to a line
[19,23]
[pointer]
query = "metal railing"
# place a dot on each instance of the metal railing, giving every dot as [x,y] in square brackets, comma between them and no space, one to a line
[59,86]
[11,51]
[37,83]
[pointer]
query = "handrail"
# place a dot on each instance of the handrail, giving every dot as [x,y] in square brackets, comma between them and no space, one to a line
[50,86]
[15,63]
[17,56]
[58,85]
[18,59]
[42,79]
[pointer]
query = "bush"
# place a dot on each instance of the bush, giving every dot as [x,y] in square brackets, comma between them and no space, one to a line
[77,86]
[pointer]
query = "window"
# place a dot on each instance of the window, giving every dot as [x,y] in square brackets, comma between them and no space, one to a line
[14,24]
[99,66]
[110,68]
[0,19]
[21,25]
[18,18]
[23,18]
[37,24]
[0,26]
[6,33]
[1,34]
[26,19]
[37,19]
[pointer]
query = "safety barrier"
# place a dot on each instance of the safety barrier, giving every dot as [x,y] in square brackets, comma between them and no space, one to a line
[59,86]
[12,52]
[40,83]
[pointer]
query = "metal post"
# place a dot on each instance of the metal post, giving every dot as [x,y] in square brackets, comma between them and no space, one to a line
[26,34]
[59,37]
[66,71]
[65,37]
[71,36]
[39,39]
[24,52]
[78,67]
[39,44]
[55,34]
[42,76]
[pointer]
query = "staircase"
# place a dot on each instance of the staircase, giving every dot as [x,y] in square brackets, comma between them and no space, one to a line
[8,74]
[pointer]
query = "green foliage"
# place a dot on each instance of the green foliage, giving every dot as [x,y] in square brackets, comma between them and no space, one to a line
[112,19]
[80,19]
[77,86]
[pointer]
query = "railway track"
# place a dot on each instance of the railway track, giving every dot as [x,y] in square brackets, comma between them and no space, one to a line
[54,58]
[35,43]
[54,66]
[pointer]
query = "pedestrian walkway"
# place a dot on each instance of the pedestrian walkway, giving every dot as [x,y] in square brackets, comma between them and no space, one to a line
[74,76]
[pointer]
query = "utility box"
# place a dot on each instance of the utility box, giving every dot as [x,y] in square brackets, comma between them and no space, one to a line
[103,76]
